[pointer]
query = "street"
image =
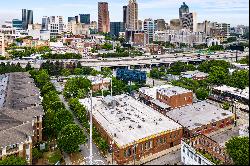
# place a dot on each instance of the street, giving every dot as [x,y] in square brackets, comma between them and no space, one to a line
[98,159]
[168,159]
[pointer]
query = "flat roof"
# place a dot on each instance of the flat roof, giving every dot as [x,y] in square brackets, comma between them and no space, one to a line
[198,114]
[235,91]
[130,120]
[98,79]
[172,91]
[151,92]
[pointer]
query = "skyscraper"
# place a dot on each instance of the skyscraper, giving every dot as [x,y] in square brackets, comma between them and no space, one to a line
[160,25]
[116,27]
[27,18]
[84,18]
[103,17]
[149,29]
[189,21]
[45,23]
[71,19]
[125,11]
[132,15]
[183,9]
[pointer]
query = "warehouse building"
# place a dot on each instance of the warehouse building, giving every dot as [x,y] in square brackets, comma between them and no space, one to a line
[201,118]
[136,130]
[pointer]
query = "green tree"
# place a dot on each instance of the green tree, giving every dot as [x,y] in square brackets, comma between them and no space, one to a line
[106,72]
[12,160]
[62,118]
[65,72]
[36,154]
[78,71]
[202,93]
[70,138]
[244,60]
[239,79]
[217,76]
[226,106]
[238,150]
[107,46]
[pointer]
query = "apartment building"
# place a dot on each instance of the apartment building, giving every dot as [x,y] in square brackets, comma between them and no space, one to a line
[133,129]
[2,44]
[20,117]
[99,83]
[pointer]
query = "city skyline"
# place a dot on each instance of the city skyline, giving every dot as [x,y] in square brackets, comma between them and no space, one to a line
[223,11]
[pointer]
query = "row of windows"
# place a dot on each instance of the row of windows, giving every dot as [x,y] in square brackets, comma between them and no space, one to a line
[192,155]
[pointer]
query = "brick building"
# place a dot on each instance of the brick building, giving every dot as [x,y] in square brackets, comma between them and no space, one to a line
[99,83]
[201,117]
[195,151]
[175,96]
[20,117]
[166,97]
[133,129]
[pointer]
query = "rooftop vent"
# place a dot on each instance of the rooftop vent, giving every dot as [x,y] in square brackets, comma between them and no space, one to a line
[139,126]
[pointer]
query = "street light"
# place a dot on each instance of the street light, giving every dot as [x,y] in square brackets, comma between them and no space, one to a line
[90,134]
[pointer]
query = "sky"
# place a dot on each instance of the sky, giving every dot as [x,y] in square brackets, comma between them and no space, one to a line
[234,12]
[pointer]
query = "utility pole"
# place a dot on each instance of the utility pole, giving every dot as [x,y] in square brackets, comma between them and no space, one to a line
[111,87]
[91,125]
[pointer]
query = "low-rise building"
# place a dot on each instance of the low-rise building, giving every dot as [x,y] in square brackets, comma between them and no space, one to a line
[134,130]
[175,96]
[20,117]
[99,83]
[201,118]
[166,97]
[201,150]
[195,75]
[224,93]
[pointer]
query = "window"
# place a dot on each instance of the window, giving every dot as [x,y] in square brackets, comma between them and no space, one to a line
[183,149]
[199,160]
[195,158]
[191,155]
[187,152]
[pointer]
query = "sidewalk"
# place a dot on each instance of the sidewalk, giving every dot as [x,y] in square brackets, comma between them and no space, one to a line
[67,158]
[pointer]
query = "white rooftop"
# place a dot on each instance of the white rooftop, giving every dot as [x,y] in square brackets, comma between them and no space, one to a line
[235,91]
[172,91]
[98,79]
[130,120]
[198,114]
[151,92]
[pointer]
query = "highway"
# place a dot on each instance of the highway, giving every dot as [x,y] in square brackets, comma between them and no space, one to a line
[141,61]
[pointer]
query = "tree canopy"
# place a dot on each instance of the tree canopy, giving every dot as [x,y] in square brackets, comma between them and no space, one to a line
[12,160]
[70,138]
[238,150]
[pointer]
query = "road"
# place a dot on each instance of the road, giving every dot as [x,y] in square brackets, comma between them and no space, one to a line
[168,159]
[136,61]
[97,156]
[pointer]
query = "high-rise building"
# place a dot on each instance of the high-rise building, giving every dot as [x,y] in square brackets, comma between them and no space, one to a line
[125,15]
[27,18]
[103,17]
[175,24]
[116,27]
[71,19]
[225,29]
[84,18]
[55,26]
[189,21]
[45,23]
[183,9]
[132,15]
[149,29]
[140,25]
[16,23]
[160,25]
